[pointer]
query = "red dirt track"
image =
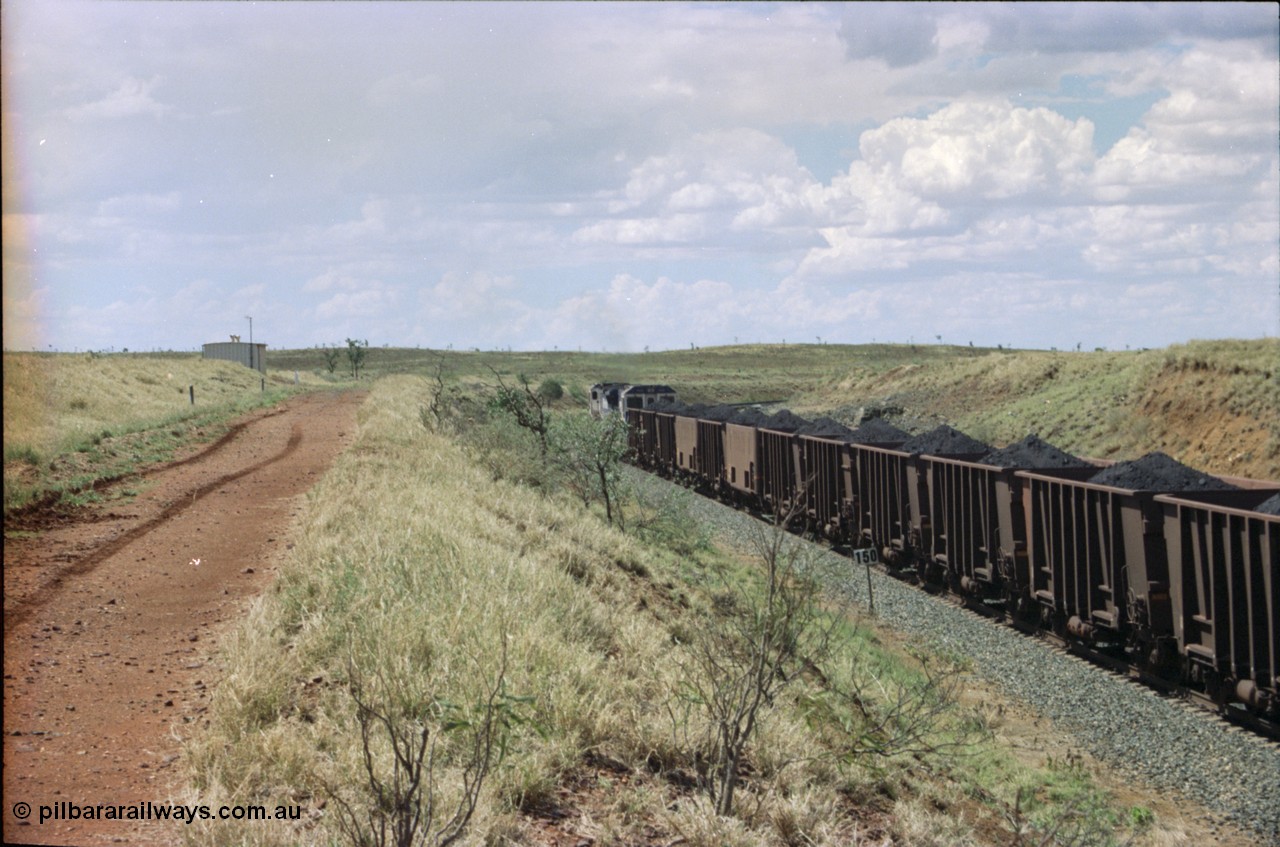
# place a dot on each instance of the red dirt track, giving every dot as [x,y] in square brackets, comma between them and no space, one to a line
[111,628]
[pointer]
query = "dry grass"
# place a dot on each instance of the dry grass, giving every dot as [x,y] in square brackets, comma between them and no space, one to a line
[54,401]
[413,564]
[1212,404]
[70,420]
[414,561]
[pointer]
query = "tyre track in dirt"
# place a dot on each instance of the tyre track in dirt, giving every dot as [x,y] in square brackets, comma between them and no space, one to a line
[24,607]
[113,620]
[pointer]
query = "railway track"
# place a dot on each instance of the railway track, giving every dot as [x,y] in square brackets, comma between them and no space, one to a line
[1226,715]
[1175,567]
[1229,718]
[1158,739]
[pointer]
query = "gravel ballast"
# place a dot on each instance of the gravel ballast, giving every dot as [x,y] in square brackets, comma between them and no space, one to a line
[1167,744]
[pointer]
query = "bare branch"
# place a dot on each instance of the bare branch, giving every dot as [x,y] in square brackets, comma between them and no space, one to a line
[401,805]
[525,405]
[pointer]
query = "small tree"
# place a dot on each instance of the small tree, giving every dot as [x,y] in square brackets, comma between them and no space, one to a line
[330,358]
[402,803]
[355,355]
[433,414]
[590,450]
[758,641]
[527,407]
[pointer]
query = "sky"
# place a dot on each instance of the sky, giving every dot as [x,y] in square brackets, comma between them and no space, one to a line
[632,176]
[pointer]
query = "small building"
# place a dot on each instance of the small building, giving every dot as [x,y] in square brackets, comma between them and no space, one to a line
[249,355]
[614,398]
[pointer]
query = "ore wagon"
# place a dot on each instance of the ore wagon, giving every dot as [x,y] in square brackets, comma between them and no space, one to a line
[979,541]
[899,506]
[664,426]
[1098,564]
[828,478]
[778,464]
[1224,591]
[708,462]
[742,461]
[884,519]
[642,437]
[685,431]
[979,537]
[820,473]
[1095,563]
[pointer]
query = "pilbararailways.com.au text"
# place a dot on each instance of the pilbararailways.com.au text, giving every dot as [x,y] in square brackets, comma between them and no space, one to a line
[66,810]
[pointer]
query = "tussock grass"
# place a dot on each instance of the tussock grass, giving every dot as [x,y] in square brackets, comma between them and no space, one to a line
[415,563]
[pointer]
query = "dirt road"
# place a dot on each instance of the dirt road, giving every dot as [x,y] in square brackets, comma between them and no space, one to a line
[112,621]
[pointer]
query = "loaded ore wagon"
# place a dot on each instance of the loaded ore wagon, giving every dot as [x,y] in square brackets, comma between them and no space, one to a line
[1098,564]
[979,542]
[642,437]
[1173,571]
[827,475]
[778,465]
[742,460]
[1224,589]
[895,484]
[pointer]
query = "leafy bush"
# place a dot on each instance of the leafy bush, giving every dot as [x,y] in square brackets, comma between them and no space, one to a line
[550,390]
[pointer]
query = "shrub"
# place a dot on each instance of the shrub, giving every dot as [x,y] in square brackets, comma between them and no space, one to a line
[550,390]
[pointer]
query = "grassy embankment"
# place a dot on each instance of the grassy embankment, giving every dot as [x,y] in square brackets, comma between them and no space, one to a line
[1214,405]
[415,564]
[71,421]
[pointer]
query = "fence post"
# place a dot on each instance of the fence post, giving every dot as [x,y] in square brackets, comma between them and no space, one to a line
[192,389]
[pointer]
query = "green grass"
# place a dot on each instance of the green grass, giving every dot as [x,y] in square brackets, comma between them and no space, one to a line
[757,372]
[1214,405]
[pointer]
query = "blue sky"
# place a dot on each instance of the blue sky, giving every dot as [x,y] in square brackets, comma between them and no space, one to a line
[648,175]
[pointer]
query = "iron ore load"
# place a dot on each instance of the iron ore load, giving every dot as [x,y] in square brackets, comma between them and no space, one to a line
[1175,571]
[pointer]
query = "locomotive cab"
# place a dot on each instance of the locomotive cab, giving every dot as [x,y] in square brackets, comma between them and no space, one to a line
[615,398]
[606,397]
